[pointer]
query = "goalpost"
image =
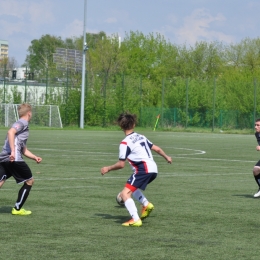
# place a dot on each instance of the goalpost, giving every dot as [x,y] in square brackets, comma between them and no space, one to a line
[43,115]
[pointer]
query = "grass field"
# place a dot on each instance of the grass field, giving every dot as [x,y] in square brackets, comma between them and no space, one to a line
[204,207]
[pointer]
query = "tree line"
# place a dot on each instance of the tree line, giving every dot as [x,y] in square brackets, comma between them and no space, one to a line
[147,71]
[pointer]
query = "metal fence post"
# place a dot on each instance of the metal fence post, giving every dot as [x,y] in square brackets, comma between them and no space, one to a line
[46,91]
[187,103]
[214,98]
[105,100]
[174,116]
[123,92]
[4,82]
[254,116]
[25,86]
[141,101]
[163,85]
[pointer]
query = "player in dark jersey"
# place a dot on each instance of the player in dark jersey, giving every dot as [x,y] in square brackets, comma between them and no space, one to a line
[256,170]
[136,149]
[11,158]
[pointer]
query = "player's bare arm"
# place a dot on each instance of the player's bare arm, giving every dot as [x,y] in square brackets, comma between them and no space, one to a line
[117,166]
[32,156]
[160,151]
[258,148]
[11,136]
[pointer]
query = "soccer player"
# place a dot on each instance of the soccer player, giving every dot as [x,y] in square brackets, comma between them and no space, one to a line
[136,148]
[256,170]
[11,160]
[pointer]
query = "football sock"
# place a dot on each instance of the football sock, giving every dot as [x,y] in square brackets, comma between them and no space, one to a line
[138,195]
[130,205]
[22,196]
[257,179]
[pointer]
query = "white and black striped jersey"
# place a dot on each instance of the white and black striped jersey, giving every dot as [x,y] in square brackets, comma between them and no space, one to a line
[136,148]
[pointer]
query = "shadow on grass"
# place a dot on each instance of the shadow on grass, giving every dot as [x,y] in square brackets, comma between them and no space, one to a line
[245,196]
[118,219]
[5,210]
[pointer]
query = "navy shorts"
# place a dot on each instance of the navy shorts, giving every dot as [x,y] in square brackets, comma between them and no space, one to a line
[19,170]
[140,180]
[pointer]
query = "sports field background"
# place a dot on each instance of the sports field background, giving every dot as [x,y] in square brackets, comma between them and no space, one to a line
[204,208]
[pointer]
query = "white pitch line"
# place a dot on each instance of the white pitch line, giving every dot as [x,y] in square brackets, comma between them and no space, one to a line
[160,175]
[187,149]
[60,188]
[96,152]
[180,156]
[213,159]
[177,157]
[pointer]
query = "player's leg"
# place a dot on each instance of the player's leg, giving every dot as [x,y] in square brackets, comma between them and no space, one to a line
[23,194]
[22,174]
[2,183]
[131,207]
[147,207]
[4,175]
[139,196]
[256,172]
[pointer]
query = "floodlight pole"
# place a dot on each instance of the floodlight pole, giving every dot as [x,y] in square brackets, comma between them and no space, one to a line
[83,69]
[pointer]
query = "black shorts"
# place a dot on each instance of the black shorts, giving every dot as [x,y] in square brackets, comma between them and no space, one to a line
[258,163]
[19,170]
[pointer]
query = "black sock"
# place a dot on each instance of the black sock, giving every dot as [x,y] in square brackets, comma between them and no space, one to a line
[257,179]
[22,196]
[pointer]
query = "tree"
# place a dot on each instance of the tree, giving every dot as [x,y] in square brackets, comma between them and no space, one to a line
[244,56]
[105,60]
[7,65]
[40,54]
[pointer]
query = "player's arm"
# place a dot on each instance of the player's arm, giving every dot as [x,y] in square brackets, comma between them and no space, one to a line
[30,155]
[117,166]
[160,151]
[11,136]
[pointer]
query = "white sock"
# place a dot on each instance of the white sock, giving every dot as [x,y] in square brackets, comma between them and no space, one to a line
[130,205]
[138,195]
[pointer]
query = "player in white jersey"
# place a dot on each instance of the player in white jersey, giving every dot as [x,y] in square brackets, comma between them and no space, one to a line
[11,160]
[136,149]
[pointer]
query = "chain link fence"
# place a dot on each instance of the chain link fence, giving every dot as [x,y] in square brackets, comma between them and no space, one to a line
[212,103]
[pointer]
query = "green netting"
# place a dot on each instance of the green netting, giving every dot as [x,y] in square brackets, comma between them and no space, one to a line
[176,117]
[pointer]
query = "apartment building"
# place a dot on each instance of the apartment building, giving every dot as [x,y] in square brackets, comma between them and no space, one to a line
[3,49]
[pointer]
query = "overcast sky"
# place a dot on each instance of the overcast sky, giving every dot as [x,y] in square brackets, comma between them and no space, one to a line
[180,21]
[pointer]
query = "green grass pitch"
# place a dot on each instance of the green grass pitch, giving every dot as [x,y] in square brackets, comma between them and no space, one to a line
[204,207]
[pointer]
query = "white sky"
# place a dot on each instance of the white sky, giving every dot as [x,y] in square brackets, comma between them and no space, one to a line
[180,21]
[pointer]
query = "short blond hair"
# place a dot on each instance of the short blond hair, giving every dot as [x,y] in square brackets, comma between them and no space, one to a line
[23,109]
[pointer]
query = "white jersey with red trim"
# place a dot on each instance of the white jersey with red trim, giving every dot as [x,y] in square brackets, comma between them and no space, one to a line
[136,148]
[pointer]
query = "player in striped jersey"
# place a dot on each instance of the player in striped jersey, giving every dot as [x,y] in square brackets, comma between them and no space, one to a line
[136,148]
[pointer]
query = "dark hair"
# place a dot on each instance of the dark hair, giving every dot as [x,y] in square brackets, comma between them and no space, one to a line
[257,120]
[127,121]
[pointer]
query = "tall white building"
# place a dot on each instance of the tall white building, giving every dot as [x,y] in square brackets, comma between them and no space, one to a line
[3,49]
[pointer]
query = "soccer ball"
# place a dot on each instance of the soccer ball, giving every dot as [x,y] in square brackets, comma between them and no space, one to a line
[119,200]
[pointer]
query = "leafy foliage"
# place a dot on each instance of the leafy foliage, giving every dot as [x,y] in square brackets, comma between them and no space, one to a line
[148,71]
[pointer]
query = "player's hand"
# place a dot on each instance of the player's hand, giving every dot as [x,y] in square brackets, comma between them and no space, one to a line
[38,159]
[104,170]
[169,159]
[258,148]
[12,157]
